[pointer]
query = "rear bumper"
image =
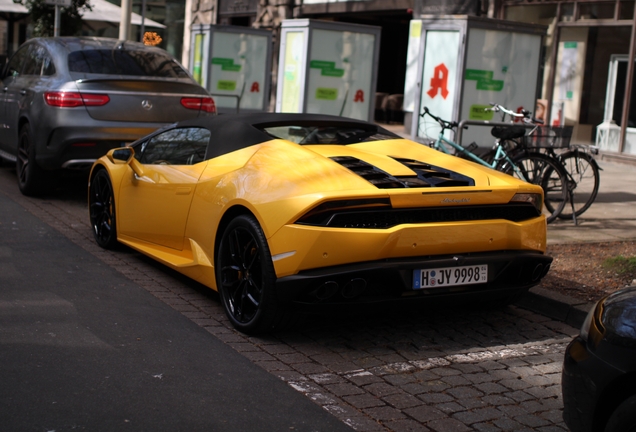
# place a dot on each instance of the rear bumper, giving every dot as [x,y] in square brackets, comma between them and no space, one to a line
[392,279]
[79,147]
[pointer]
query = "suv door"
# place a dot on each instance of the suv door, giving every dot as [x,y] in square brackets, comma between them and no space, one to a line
[10,98]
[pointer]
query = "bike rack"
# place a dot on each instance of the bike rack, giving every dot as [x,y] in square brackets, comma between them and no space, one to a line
[237,97]
[464,123]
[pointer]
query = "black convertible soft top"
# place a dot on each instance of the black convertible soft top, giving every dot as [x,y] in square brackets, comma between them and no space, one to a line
[231,132]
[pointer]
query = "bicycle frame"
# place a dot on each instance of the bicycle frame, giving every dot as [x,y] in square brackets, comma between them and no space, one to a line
[571,151]
[500,154]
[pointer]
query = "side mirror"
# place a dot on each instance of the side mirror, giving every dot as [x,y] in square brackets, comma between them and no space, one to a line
[125,156]
[121,155]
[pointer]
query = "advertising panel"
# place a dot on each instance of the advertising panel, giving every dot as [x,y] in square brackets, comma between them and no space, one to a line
[233,63]
[328,68]
[412,57]
[466,64]
[439,80]
[238,70]
[340,73]
[200,53]
[197,65]
[501,67]
[293,67]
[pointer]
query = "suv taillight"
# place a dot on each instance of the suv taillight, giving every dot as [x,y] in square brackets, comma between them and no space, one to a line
[74,99]
[204,104]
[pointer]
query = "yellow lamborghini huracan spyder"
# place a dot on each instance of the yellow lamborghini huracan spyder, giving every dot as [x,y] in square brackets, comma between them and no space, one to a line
[281,210]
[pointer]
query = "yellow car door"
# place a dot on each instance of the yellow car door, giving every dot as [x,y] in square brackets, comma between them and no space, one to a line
[154,207]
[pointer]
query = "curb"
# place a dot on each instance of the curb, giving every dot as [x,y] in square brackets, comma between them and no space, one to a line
[562,308]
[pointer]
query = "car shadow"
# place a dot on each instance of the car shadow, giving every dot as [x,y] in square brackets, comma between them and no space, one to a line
[64,185]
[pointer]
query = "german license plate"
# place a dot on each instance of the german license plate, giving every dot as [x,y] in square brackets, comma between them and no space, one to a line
[450,276]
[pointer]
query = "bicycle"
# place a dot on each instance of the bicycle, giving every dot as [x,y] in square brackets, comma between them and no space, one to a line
[530,166]
[582,170]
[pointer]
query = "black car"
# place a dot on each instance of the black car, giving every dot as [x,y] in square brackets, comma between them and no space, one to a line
[599,370]
[66,101]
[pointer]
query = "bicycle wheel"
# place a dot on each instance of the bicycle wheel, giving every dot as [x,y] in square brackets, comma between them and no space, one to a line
[542,170]
[584,177]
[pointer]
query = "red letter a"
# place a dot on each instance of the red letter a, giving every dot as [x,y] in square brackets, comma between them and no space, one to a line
[439,81]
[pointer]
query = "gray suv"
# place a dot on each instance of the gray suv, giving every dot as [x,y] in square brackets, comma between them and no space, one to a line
[64,102]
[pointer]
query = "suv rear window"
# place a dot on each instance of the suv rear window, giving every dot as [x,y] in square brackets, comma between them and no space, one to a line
[123,62]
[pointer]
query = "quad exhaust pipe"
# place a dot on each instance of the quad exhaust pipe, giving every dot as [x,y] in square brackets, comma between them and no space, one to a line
[352,289]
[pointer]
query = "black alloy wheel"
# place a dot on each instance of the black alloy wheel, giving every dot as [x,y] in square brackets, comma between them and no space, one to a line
[31,178]
[101,203]
[246,277]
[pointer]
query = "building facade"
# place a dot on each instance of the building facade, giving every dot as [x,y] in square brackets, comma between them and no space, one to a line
[587,66]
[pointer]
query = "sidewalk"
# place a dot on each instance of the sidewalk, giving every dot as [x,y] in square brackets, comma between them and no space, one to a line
[612,217]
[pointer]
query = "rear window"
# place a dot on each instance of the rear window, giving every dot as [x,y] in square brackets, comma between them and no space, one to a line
[123,62]
[328,134]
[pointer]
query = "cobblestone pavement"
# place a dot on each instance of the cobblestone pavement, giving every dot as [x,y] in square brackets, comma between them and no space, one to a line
[401,370]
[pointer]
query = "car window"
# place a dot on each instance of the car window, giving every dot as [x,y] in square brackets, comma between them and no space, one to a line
[181,146]
[14,68]
[38,62]
[125,62]
[327,134]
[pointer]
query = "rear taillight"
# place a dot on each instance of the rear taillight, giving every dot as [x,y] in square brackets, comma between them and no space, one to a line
[74,99]
[95,99]
[204,104]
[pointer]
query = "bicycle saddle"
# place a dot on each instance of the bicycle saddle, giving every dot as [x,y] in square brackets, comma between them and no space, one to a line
[508,132]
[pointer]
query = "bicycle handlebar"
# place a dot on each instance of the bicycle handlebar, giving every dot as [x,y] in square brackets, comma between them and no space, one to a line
[524,114]
[497,108]
[443,123]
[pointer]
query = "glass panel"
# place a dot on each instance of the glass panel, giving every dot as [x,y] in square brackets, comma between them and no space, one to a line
[541,14]
[293,71]
[237,69]
[627,10]
[122,62]
[567,12]
[621,81]
[340,73]
[596,10]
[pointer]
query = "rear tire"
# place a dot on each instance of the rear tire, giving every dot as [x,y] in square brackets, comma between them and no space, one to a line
[101,205]
[246,278]
[32,180]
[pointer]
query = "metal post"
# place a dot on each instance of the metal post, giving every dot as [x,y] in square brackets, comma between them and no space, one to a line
[556,35]
[628,86]
[56,23]
[124,22]
[143,20]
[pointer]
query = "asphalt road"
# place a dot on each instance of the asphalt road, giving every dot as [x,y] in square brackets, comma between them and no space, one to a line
[398,370]
[82,347]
